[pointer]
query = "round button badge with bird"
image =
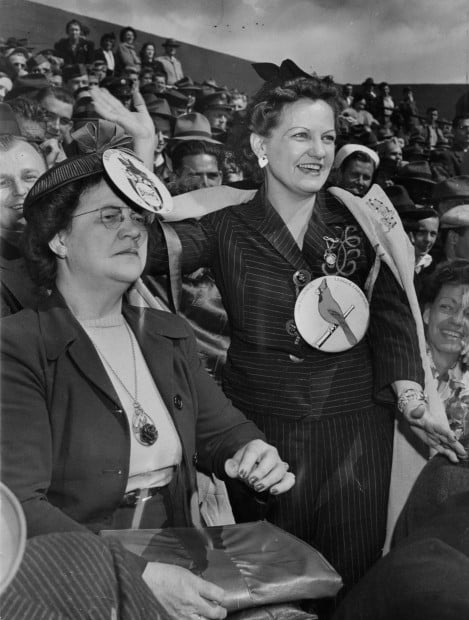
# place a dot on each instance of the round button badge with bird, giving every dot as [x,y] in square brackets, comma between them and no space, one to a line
[332,314]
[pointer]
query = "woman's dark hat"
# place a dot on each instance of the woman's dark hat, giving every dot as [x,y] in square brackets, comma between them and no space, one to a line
[452,189]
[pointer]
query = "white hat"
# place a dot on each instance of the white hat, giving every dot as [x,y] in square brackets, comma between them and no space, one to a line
[348,149]
[456,217]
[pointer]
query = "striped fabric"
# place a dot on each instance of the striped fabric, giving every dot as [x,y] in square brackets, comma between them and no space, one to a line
[74,575]
[278,380]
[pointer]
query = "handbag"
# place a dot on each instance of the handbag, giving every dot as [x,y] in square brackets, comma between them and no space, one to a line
[255,563]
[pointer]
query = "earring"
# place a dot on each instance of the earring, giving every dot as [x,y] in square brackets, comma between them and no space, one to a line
[263,161]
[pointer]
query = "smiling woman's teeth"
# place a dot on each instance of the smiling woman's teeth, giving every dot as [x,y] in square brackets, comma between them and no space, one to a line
[315,167]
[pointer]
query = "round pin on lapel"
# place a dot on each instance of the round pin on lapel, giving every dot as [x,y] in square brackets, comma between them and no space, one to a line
[332,314]
[136,182]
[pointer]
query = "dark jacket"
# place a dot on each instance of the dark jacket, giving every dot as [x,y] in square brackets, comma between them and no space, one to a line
[270,371]
[65,437]
[83,54]
[17,290]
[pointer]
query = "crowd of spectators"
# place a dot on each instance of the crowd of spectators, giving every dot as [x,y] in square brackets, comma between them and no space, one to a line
[418,159]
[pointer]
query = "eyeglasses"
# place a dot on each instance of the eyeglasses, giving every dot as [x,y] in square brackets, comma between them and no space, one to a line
[112,217]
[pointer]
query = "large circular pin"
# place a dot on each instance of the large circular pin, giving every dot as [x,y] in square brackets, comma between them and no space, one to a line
[136,182]
[332,314]
[301,277]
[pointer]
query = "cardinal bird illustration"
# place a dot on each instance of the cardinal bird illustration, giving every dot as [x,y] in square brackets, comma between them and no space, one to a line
[330,311]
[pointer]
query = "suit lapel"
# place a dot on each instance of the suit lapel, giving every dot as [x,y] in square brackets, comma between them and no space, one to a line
[263,218]
[61,331]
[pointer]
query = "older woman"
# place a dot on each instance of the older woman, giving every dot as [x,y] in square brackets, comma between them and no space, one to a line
[332,412]
[105,407]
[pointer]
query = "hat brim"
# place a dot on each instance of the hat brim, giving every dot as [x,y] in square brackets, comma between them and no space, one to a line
[175,140]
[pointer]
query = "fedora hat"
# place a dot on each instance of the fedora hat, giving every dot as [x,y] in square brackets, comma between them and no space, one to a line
[171,43]
[186,83]
[214,101]
[192,126]
[405,206]
[452,188]
[457,217]
[416,171]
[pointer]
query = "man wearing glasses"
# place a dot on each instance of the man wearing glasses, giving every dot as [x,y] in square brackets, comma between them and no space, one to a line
[58,104]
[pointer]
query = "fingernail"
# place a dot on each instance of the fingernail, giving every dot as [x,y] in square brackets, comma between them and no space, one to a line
[252,480]
[242,473]
[259,487]
[274,491]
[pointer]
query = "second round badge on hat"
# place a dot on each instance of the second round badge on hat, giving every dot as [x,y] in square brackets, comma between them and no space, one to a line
[332,314]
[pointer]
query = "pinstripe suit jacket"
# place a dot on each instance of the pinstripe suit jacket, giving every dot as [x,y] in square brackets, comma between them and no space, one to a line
[268,371]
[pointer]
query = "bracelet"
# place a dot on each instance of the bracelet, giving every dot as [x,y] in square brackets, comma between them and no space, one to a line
[409,395]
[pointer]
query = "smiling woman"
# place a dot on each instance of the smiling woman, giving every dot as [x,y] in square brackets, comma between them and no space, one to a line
[446,318]
[331,412]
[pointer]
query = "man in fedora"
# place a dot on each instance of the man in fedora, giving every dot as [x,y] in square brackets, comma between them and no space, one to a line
[196,155]
[417,178]
[421,223]
[163,121]
[171,64]
[217,110]
[75,77]
[451,198]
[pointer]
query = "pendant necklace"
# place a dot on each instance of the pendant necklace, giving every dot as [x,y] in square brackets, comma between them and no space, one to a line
[143,427]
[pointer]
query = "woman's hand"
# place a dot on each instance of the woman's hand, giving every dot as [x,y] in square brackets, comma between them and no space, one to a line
[182,595]
[433,434]
[138,124]
[259,465]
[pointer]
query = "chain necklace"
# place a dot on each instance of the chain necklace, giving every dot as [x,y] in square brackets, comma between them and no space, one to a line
[143,427]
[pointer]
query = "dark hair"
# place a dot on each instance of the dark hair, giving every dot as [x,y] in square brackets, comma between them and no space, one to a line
[73,22]
[27,108]
[127,29]
[107,36]
[50,215]
[57,92]
[195,147]
[264,112]
[454,272]
[144,47]
[266,107]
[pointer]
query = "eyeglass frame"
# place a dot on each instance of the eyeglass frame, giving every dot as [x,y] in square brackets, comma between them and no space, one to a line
[149,218]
